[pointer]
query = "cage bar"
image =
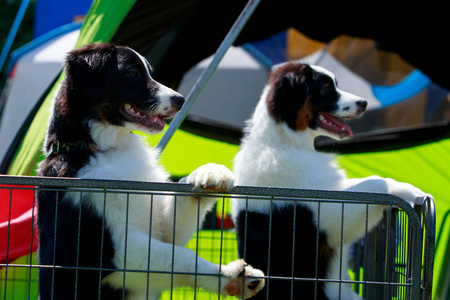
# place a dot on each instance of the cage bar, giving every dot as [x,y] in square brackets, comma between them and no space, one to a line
[393,261]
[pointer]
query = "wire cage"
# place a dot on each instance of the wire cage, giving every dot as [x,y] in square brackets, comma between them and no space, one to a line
[393,261]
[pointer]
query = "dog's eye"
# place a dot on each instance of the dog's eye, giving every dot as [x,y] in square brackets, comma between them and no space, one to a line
[133,72]
[327,88]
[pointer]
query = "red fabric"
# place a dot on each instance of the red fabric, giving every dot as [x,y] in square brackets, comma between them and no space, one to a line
[17,222]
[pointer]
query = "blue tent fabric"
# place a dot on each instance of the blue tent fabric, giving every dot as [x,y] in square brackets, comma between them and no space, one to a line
[17,54]
[273,51]
[407,88]
[52,14]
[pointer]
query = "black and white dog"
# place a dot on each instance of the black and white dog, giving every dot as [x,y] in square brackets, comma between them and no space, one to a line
[299,103]
[107,92]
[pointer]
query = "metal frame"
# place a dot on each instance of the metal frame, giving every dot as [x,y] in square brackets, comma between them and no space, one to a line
[420,227]
[209,71]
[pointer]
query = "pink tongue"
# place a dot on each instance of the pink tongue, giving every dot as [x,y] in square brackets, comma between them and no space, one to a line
[160,121]
[150,120]
[338,123]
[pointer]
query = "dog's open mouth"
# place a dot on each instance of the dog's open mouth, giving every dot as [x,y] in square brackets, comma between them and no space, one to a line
[334,125]
[136,115]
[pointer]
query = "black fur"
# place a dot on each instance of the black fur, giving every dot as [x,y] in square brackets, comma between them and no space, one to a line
[294,85]
[255,241]
[61,248]
[99,78]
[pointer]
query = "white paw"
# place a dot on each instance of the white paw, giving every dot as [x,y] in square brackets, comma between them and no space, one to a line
[212,177]
[237,285]
[409,193]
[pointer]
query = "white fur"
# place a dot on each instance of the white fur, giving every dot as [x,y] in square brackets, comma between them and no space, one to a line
[164,93]
[144,62]
[274,155]
[124,156]
[347,101]
[145,232]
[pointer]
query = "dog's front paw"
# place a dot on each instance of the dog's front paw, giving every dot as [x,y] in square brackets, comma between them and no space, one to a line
[411,194]
[212,177]
[237,285]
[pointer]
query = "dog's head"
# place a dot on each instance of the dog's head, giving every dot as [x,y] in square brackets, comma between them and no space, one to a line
[307,97]
[113,84]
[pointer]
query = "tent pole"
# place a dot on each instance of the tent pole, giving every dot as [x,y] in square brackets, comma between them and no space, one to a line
[12,33]
[208,72]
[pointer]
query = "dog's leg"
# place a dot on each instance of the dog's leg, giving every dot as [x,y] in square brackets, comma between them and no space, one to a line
[355,216]
[166,258]
[346,223]
[189,211]
[186,213]
[339,270]
[377,184]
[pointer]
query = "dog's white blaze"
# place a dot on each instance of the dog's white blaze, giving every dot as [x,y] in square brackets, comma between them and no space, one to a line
[347,100]
[144,61]
[346,96]
[164,92]
[324,71]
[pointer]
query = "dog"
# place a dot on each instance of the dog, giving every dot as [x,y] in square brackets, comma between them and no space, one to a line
[299,103]
[86,238]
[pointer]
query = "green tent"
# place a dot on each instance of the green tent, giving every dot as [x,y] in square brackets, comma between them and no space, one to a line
[161,36]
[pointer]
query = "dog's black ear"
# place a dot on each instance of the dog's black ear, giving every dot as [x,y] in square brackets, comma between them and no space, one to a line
[288,93]
[90,68]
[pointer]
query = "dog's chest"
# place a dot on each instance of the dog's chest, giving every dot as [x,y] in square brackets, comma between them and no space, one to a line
[134,162]
[286,168]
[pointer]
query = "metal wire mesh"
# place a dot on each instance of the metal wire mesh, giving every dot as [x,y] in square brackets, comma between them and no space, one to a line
[394,261]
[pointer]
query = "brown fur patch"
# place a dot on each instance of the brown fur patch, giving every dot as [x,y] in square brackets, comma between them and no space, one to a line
[325,251]
[304,116]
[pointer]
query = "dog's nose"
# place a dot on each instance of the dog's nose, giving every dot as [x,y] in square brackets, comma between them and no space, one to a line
[361,105]
[177,101]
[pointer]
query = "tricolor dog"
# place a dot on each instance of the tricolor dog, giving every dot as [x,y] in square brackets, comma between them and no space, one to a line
[87,238]
[299,103]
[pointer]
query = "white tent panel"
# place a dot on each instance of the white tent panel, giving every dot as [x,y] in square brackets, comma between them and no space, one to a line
[33,73]
[231,94]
